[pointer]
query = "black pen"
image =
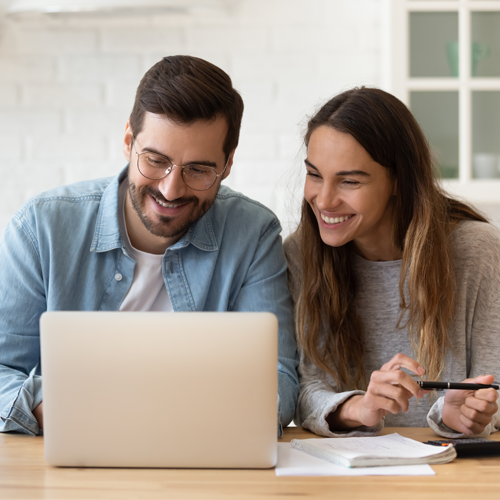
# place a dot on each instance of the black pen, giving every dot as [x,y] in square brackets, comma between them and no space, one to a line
[455,385]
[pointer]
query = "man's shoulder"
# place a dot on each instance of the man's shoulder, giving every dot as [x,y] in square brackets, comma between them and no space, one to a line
[234,206]
[79,191]
[66,208]
[63,197]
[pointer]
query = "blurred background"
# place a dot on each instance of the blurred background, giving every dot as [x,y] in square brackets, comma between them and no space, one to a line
[67,84]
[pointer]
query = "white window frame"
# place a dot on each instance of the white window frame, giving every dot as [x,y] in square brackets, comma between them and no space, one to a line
[400,84]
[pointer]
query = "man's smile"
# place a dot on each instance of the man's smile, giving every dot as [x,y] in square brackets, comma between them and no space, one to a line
[166,204]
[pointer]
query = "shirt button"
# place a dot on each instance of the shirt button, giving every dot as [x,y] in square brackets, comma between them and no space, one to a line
[118,277]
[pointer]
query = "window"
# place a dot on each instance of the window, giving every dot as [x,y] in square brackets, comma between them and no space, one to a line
[445,65]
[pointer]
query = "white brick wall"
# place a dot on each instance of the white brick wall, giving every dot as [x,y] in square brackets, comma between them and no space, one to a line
[21,69]
[50,95]
[67,87]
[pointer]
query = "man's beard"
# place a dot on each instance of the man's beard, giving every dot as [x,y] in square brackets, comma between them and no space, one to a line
[166,227]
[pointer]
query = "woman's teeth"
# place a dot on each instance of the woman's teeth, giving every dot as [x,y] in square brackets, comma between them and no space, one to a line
[335,220]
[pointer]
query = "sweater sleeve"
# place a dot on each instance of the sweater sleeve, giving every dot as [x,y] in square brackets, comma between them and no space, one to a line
[319,395]
[477,259]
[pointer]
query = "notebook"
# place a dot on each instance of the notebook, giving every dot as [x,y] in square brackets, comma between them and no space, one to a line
[154,389]
[392,449]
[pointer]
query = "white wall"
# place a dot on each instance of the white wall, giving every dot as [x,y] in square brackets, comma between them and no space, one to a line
[67,86]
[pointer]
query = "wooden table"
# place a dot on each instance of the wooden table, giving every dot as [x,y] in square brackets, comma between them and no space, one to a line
[25,475]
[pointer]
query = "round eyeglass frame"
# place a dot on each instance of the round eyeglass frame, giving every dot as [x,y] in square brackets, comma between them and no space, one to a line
[182,167]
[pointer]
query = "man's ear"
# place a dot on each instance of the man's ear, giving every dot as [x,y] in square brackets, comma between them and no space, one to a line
[128,141]
[229,164]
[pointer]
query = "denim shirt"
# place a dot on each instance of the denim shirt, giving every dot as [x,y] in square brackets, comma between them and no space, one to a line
[63,250]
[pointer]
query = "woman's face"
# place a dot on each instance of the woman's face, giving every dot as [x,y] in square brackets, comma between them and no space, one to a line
[350,194]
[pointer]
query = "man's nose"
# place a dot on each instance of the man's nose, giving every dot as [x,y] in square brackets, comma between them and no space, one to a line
[172,186]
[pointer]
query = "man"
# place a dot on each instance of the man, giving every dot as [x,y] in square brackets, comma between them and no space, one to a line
[161,236]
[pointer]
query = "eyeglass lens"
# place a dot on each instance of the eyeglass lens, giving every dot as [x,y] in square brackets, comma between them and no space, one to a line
[156,167]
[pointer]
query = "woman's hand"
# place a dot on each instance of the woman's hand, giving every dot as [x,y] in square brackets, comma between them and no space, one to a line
[469,412]
[389,391]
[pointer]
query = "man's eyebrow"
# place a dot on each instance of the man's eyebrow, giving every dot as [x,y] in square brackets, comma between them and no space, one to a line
[342,172]
[205,163]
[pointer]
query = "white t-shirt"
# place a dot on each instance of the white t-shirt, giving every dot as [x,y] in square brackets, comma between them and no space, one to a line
[148,291]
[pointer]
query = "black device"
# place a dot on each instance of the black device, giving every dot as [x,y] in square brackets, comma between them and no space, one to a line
[440,386]
[474,447]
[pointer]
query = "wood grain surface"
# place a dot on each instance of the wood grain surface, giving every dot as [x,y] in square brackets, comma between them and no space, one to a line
[24,474]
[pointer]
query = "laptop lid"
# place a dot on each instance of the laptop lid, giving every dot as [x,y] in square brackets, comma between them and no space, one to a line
[153,389]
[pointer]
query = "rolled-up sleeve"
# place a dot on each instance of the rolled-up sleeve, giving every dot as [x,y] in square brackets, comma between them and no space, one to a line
[22,301]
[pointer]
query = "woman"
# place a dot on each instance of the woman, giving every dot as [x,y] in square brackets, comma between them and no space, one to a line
[392,280]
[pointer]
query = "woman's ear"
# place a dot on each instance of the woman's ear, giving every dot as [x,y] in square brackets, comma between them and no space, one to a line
[395,188]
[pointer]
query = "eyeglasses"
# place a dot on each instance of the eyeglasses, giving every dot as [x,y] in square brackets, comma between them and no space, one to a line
[155,166]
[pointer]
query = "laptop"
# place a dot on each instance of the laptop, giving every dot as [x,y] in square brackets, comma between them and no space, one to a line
[154,389]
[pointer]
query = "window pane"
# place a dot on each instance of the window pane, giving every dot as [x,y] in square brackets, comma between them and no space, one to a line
[433,44]
[437,114]
[485,134]
[485,49]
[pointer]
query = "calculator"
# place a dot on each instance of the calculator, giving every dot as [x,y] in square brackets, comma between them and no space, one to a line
[474,447]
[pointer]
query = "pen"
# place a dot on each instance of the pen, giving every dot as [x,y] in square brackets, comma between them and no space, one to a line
[455,385]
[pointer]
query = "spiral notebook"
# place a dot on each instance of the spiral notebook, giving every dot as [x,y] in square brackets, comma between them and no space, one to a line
[392,449]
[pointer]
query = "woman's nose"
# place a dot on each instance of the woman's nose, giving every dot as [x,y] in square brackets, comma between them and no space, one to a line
[328,198]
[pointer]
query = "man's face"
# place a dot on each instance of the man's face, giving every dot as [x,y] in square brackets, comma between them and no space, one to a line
[159,212]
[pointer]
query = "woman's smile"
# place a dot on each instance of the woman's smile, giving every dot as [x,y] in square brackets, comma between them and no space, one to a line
[334,221]
[350,194]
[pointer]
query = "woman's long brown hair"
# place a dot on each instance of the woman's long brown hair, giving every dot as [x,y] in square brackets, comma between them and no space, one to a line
[423,219]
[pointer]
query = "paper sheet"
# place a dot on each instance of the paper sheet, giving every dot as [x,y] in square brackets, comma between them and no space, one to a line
[393,445]
[292,462]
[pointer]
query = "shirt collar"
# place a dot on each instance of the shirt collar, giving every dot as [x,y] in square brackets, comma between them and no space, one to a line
[107,235]
[201,234]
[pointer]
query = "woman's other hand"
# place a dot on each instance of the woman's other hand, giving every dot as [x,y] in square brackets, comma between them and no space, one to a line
[389,391]
[469,412]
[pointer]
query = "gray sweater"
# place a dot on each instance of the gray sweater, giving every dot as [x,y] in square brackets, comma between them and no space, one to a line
[474,331]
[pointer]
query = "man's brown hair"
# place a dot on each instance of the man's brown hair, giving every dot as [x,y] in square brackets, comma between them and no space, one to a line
[187,89]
